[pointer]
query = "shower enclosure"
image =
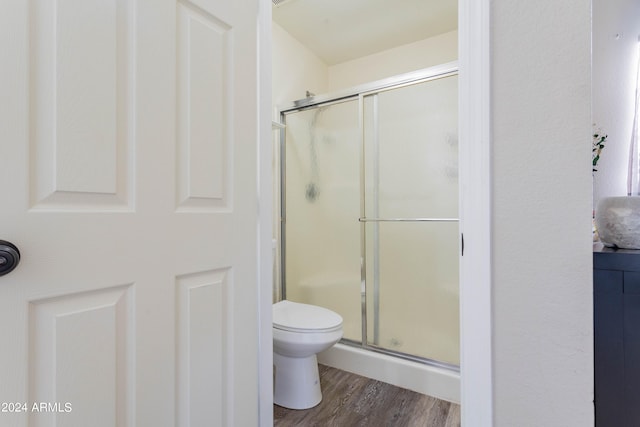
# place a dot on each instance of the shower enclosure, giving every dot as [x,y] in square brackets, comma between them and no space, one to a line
[369,212]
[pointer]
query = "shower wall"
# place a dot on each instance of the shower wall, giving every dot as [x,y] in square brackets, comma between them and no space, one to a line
[296,69]
[399,172]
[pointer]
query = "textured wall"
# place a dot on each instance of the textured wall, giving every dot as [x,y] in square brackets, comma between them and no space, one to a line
[542,296]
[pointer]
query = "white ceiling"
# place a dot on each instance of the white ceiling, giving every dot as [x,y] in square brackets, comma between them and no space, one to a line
[341,30]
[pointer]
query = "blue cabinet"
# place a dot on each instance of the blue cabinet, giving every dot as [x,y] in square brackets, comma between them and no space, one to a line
[616,305]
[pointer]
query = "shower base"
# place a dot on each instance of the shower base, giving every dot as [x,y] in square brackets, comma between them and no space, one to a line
[430,380]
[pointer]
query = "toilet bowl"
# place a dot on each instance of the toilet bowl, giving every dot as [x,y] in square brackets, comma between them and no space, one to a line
[300,331]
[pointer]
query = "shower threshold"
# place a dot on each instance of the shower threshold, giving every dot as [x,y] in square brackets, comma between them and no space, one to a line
[406,356]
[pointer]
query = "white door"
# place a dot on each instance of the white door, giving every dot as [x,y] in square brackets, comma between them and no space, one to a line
[128,173]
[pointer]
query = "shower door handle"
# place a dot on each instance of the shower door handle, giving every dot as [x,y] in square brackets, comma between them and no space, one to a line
[408,219]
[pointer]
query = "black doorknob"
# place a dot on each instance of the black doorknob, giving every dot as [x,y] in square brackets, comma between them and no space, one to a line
[9,257]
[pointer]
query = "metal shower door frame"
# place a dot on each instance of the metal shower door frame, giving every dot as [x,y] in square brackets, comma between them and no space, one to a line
[360,93]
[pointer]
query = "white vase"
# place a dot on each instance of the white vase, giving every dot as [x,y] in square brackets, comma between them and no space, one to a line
[618,221]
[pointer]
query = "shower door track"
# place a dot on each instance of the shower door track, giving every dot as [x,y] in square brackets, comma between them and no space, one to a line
[408,219]
[431,73]
[405,356]
[360,92]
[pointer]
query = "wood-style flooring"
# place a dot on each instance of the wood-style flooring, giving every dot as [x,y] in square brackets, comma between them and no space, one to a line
[349,400]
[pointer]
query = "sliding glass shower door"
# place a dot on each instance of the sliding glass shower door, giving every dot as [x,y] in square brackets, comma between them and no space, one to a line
[410,222]
[370,214]
[320,207]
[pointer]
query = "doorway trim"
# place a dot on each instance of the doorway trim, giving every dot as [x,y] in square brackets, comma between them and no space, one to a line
[475,212]
[476,358]
[264,279]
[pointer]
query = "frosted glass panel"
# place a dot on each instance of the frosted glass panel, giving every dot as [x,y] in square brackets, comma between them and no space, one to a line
[411,178]
[411,150]
[322,206]
[418,295]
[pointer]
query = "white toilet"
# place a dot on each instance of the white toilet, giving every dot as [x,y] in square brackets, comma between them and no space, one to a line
[299,332]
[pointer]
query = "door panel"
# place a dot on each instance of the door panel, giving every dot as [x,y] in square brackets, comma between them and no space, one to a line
[81,353]
[81,104]
[411,150]
[204,64]
[411,197]
[414,309]
[203,346]
[129,146]
[321,192]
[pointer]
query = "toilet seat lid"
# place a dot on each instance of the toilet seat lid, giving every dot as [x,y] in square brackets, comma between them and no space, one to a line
[298,317]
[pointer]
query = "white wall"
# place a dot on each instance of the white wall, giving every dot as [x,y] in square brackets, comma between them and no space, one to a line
[541,237]
[295,69]
[410,57]
[616,27]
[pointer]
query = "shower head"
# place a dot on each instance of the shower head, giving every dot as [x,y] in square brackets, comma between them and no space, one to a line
[311,192]
[278,3]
